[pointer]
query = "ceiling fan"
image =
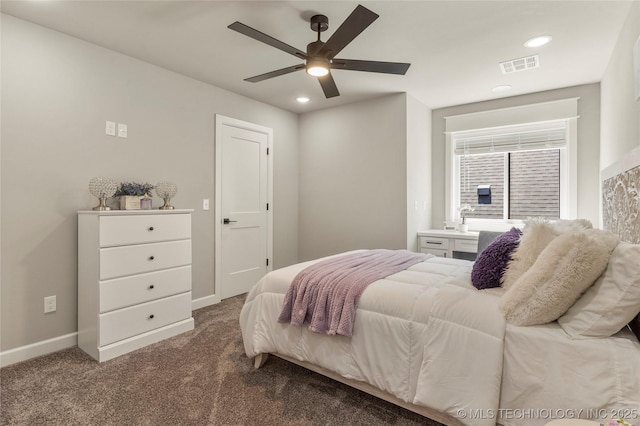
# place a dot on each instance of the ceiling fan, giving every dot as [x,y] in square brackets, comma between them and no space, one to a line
[320,56]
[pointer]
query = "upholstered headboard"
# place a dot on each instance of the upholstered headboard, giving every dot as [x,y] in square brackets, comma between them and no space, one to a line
[621,198]
[621,204]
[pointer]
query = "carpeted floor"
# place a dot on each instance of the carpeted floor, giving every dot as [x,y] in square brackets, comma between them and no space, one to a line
[201,377]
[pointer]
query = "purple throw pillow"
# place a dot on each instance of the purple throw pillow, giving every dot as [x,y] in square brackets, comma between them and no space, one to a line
[490,264]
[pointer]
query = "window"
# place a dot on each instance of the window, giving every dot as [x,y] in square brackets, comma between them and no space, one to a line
[528,156]
[522,166]
[523,184]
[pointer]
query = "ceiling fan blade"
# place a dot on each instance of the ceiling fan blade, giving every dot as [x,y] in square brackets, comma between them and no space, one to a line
[370,66]
[358,21]
[257,35]
[275,73]
[328,86]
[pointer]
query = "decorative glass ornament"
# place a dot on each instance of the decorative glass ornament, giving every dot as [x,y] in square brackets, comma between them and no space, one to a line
[102,188]
[166,191]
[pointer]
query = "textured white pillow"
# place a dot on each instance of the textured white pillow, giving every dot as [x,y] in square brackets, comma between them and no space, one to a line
[562,226]
[562,272]
[535,238]
[613,300]
[537,234]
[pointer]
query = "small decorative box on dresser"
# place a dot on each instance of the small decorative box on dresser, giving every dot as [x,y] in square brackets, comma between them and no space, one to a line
[134,279]
[459,245]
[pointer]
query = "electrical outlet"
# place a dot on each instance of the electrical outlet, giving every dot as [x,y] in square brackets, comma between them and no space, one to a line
[49,304]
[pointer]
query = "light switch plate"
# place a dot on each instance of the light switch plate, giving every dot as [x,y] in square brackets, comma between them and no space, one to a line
[122,130]
[49,304]
[110,129]
[205,204]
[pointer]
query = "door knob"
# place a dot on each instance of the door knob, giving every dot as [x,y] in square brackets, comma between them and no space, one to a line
[227,221]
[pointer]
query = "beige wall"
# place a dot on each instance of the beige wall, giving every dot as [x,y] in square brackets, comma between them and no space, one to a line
[620,128]
[588,145]
[364,176]
[57,93]
[353,177]
[418,170]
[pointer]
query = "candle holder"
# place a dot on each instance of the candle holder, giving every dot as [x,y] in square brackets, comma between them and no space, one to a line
[166,191]
[102,188]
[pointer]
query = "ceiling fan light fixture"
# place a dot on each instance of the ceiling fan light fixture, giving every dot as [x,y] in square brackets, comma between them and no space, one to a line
[317,67]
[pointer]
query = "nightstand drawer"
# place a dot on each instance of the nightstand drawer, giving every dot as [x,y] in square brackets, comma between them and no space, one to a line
[468,246]
[122,292]
[434,243]
[138,229]
[128,322]
[435,252]
[128,260]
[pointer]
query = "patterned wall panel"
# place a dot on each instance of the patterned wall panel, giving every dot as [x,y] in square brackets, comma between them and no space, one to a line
[621,199]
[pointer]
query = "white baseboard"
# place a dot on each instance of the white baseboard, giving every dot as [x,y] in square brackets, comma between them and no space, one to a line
[33,350]
[70,340]
[204,302]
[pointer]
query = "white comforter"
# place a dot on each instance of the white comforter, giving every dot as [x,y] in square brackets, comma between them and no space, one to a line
[403,340]
[428,337]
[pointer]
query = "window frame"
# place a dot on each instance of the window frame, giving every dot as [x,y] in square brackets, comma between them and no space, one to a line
[565,109]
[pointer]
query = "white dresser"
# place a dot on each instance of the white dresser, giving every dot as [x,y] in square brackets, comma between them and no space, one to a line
[460,245]
[134,279]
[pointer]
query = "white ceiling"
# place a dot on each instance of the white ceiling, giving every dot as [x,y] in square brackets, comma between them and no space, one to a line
[454,46]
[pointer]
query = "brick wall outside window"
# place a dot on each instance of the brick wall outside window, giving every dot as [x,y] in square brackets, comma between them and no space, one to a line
[534,183]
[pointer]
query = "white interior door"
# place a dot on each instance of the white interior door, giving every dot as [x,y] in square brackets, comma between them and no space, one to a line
[243,245]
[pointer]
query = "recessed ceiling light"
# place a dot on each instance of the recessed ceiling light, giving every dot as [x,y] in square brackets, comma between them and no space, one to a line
[502,88]
[302,99]
[538,41]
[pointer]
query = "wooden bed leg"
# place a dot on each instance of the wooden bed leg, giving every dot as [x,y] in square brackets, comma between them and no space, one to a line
[259,360]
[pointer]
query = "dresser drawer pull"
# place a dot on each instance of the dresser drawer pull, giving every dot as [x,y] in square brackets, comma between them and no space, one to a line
[151,228]
[151,257]
[434,242]
[151,316]
[151,287]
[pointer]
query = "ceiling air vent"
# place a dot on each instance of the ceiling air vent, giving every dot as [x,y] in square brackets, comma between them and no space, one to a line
[520,64]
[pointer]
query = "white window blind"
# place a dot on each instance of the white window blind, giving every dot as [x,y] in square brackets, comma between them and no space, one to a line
[547,135]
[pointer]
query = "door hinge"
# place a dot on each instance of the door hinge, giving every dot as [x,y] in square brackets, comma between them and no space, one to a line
[267,206]
[267,262]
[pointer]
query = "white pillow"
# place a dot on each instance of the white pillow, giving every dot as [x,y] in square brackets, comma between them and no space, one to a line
[559,276]
[537,234]
[613,300]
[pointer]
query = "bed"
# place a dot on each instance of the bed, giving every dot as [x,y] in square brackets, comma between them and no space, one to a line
[427,339]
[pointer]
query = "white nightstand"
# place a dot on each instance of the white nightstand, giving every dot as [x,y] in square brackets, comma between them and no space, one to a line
[459,245]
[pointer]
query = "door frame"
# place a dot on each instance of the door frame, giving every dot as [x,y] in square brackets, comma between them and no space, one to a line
[220,121]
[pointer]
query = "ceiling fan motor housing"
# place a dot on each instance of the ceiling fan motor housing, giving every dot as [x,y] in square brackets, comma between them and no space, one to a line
[314,47]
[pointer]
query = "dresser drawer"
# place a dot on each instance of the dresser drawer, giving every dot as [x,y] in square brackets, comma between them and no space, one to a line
[128,322]
[121,292]
[143,228]
[434,242]
[468,246]
[121,261]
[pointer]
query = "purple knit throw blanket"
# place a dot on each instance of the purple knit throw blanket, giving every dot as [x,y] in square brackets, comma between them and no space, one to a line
[325,295]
